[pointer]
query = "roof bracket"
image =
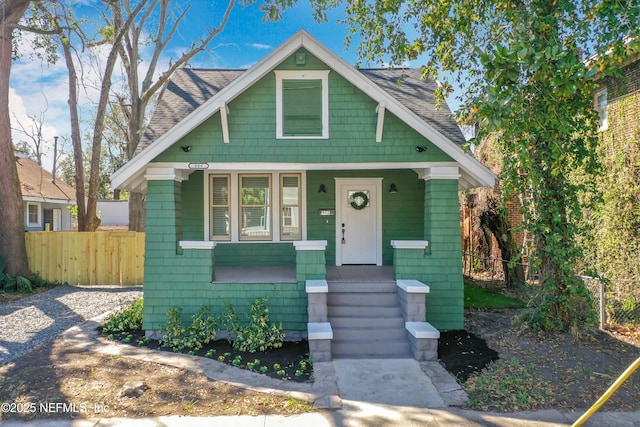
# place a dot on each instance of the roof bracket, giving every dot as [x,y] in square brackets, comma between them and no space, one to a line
[380,109]
[224,111]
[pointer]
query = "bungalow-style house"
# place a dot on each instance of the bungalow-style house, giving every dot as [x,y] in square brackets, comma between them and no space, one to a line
[45,201]
[330,189]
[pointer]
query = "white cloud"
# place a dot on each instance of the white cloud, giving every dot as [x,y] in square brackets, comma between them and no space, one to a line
[260,46]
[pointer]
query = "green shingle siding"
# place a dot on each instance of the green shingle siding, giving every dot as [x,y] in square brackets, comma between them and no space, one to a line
[255,254]
[402,217]
[352,127]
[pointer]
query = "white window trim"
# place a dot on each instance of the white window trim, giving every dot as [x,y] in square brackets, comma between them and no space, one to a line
[39,221]
[210,203]
[269,205]
[282,206]
[604,124]
[234,212]
[303,75]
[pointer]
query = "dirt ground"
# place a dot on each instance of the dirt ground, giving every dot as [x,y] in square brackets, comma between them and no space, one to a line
[572,374]
[58,382]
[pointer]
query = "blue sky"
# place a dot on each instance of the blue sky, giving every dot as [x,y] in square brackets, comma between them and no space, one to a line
[36,87]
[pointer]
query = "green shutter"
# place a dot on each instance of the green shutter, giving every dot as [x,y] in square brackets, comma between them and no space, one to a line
[302,107]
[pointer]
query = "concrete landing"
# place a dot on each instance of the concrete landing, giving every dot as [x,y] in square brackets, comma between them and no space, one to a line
[398,382]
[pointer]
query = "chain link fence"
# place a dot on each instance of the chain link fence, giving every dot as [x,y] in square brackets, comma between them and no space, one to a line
[616,301]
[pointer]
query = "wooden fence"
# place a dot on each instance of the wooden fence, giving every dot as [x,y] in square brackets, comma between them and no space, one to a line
[97,258]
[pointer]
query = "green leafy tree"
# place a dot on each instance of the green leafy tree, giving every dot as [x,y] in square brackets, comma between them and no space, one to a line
[526,74]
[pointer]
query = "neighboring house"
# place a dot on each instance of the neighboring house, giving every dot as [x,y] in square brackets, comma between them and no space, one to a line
[46,203]
[278,179]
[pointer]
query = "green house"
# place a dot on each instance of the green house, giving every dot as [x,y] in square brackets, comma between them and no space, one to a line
[330,189]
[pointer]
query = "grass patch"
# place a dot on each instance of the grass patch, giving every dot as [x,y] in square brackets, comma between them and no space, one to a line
[477,297]
[508,385]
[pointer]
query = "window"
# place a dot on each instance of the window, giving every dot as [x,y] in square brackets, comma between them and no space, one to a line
[290,203]
[220,207]
[33,215]
[600,105]
[302,104]
[255,207]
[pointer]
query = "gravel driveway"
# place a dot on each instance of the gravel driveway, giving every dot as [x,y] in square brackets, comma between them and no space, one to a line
[30,322]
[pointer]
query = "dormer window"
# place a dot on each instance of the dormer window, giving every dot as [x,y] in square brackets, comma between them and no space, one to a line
[302,104]
[600,105]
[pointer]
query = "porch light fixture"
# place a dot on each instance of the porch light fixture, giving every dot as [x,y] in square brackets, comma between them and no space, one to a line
[393,189]
[186,148]
[421,149]
[322,189]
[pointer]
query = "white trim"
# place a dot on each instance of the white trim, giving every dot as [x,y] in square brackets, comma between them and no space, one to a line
[234,199]
[340,205]
[197,244]
[224,111]
[316,286]
[422,330]
[441,172]
[310,245]
[48,200]
[477,173]
[319,331]
[165,174]
[380,109]
[412,286]
[38,222]
[410,244]
[419,167]
[322,75]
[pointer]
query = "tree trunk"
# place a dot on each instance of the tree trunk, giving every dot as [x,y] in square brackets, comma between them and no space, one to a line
[12,245]
[76,139]
[494,220]
[137,211]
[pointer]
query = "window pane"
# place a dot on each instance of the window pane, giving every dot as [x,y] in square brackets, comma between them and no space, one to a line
[255,222]
[255,190]
[290,190]
[33,214]
[290,198]
[302,107]
[220,196]
[220,222]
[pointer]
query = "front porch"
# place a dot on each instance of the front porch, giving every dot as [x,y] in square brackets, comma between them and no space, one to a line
[287,274]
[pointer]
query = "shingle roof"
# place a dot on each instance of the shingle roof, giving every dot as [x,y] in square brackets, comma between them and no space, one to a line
[417,94]
[35,182]
[189,88]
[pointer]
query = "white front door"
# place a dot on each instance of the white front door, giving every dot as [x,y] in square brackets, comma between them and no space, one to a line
[358,221]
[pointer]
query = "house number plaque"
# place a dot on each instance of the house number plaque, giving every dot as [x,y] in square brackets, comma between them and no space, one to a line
[198,165]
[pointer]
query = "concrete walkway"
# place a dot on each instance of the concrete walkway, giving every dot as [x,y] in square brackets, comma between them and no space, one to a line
[349,393]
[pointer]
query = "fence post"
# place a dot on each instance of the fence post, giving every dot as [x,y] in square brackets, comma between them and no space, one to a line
[602,303]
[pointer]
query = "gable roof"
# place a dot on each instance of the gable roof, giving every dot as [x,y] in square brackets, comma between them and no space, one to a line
[412,102]
[37,186]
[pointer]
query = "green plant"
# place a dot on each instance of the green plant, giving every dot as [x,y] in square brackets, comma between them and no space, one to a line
[237,361]
[260,333]
[476,297]
[201,331]
[129,319]
[264,369]
[494,387]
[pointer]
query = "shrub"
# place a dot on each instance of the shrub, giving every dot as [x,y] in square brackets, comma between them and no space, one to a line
[260,334]
[129,319]
[201,331]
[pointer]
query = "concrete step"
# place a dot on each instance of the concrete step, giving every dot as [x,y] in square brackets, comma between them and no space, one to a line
[366,322]
[369,334]
[357,311]
[371,349]
[363,299]
[363,287]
